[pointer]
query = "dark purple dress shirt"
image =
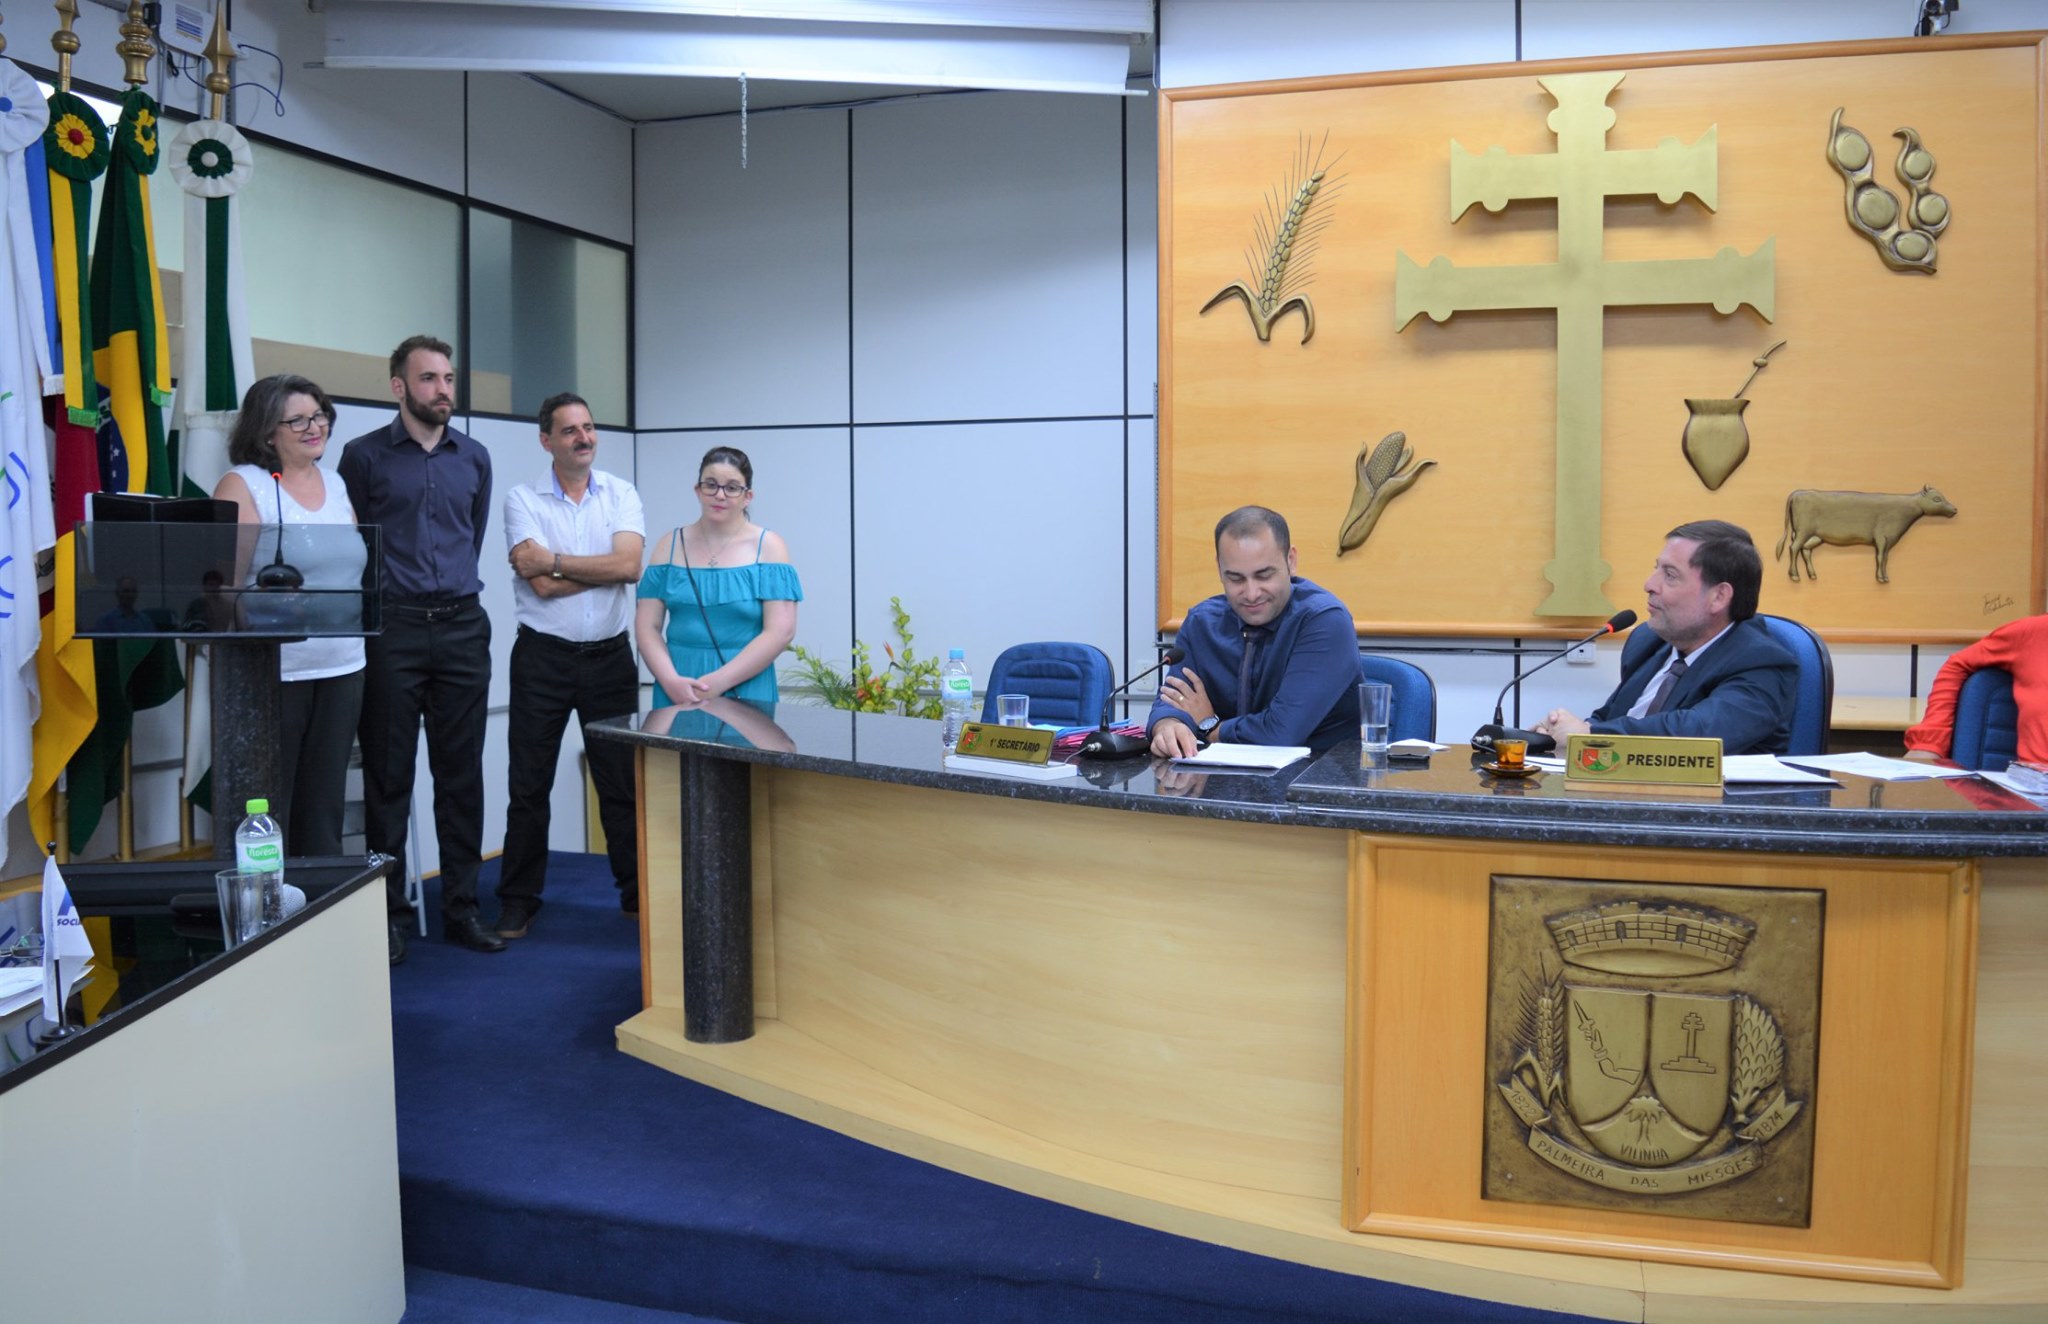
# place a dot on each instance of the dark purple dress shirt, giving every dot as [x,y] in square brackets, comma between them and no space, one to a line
[431,505]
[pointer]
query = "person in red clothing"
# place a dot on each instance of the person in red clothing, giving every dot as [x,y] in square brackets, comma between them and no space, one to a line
[2021,647]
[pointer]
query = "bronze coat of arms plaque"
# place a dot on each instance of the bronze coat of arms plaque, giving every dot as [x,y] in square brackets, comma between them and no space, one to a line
[1652,1047]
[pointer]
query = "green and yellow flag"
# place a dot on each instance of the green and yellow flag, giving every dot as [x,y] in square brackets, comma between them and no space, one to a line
[132,362]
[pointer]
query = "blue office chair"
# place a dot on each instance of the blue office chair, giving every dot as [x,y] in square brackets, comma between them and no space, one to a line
[1813,698]
[1067,682]
[1987,731]
[1414,695]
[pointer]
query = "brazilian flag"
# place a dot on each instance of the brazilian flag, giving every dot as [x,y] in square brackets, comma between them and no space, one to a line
[132,362]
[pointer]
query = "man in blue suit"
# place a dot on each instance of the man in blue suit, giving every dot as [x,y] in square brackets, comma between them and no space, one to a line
[1722,675]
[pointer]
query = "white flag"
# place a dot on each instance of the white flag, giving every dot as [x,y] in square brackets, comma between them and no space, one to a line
[63,940]
[26,527]
[211,162]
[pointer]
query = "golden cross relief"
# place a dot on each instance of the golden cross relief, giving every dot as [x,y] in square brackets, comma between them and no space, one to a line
[1581,285]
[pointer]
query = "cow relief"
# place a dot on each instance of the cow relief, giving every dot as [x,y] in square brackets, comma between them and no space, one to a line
[1843,519]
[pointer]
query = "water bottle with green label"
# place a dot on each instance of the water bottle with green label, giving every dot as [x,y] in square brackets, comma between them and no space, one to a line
[956,696]
[259,848]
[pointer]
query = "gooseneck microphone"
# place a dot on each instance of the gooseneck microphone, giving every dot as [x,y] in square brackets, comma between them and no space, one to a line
[277,574]
[1484,737]
[1106,743]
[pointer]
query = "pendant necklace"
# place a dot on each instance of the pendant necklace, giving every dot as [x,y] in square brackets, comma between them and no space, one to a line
[723,547]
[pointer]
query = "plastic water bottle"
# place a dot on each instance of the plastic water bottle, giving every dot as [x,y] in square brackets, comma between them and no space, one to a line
[259,848]
[956,695]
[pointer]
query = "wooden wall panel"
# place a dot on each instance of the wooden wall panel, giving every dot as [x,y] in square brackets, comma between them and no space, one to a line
[1889,381]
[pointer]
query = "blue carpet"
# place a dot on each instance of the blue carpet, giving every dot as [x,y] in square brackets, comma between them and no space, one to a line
[532,1152]
[447,1298]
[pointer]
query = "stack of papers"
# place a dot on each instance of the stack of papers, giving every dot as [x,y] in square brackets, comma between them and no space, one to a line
[1263,758]
[1037,772]
[1768,769]
[1876,766]
[20,986]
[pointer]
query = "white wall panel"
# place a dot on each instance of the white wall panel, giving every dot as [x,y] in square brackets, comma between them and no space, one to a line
[980,583]
[802,490]
[534,150]
[1141,468]
[1238,41]
[1141,250]
[407,124]
[741,299]
[988,258]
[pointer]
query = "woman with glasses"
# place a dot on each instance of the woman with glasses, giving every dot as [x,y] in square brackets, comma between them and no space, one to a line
[727,591]
[279,436]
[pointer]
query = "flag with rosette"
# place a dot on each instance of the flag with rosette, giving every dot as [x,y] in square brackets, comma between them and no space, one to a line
[211,161]
[132,365]
[26,531]
[75,152]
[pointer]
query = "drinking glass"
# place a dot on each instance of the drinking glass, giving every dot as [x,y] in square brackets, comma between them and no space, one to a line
[1013,709]
[1375,714]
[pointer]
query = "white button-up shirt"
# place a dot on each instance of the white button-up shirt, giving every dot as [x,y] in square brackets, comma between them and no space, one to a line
[540,510]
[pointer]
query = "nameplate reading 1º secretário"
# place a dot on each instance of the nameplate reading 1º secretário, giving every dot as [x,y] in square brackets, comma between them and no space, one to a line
[1012,744]
[1627,762]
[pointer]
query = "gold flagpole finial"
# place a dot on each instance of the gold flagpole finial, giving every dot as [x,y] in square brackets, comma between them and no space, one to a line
[135,48]
[220,54]
[65,42]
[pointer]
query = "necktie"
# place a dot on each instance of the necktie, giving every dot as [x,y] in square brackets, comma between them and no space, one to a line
[1670,683]
[1244,673]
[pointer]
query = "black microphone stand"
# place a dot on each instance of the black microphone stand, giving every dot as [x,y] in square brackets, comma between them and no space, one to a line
[1497,729]
[1105,742]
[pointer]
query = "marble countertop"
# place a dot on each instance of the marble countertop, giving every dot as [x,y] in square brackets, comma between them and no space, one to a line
[1444,796]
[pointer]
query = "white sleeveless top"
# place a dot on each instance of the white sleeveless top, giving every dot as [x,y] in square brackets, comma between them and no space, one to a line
[337,563]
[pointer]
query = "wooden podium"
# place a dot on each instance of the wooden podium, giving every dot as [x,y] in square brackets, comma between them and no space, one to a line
[1252,1009]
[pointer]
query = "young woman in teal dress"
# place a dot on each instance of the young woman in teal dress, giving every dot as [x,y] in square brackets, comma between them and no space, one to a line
[718,601]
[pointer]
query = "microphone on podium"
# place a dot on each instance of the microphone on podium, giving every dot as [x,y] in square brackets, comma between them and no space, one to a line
[277,574]
[1105,743]
[1484,737]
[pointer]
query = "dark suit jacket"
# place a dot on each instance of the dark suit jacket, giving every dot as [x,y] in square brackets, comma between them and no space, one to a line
[1742,691]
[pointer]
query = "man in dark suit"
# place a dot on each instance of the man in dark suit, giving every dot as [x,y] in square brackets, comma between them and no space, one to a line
[1722,674]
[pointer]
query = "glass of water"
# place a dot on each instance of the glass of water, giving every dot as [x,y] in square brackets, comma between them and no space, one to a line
[1013,709]
[1375,714]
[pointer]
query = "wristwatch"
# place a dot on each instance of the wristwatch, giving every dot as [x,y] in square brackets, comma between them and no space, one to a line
[556,573]
[1205,729]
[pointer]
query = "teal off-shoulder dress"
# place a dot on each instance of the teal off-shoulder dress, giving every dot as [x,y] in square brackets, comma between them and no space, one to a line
[731,597]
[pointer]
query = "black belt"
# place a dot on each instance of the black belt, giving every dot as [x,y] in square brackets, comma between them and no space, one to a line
[570,645]
[430,607]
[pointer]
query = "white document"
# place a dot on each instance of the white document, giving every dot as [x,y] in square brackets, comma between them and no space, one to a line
[1036,772]
[1876,766]
[20,986]
[2026,789]
[1768,768]
[1415,748]
[1265,758]
[1547,762]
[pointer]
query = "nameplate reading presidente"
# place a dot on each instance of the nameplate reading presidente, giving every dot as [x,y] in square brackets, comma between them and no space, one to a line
[1664,761]
[1012,744]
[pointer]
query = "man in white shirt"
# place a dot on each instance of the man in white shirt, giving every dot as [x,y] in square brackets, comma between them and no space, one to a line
[1721,674]
[576,535]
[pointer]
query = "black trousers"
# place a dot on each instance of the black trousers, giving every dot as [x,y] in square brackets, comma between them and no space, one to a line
[432,664]
[319,719]
[552,678]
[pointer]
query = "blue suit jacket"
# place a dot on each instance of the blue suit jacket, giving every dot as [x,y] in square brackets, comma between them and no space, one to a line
[1743,691]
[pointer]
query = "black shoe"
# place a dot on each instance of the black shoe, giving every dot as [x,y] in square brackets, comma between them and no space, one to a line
[472,934]
[513,923]
[629,900]
[397,942]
